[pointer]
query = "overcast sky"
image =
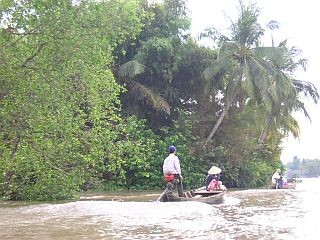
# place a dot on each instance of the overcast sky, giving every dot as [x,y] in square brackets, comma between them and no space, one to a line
[299,25]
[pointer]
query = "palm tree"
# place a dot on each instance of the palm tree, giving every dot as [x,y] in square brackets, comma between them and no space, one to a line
[127,73]
[281,115]
[281,111]
[247,70]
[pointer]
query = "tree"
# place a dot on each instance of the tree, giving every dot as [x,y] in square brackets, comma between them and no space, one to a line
[280,115]
[59,119]
[246,70]
[147,65]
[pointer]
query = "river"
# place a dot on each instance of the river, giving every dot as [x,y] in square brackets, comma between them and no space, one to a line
[246,214]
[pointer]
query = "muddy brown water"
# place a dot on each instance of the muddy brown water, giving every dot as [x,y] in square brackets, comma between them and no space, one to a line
[247,214]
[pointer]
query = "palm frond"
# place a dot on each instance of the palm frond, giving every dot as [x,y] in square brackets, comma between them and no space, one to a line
[291,125]
[272,25]
[307,88]
[130,69]
[148,96]
[262,80]
[214,34]
[300,106]
[247,83]
[269,53]
[214,75]
[215,71]
[228,48]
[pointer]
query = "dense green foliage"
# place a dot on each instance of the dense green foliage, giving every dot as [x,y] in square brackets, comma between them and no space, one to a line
[60,104]
[93,92]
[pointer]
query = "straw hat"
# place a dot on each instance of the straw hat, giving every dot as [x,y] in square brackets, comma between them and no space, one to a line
[214,170]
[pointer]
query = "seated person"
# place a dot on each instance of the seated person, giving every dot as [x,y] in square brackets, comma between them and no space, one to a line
[212,180]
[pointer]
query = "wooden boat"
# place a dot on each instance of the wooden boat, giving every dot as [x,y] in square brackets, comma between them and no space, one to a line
[291,183]
[198,195]
[289,186]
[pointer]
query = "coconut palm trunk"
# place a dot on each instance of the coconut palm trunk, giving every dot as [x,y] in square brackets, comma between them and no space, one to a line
[217,125]
[220,119]
[264,131]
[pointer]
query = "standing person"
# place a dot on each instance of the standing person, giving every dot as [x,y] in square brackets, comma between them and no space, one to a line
[276,179]
[171,167]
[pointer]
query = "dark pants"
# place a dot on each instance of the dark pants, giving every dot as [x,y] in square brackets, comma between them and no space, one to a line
[176,182]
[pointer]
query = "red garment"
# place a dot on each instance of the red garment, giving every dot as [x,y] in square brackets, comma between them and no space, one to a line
[214,185]
[168,177]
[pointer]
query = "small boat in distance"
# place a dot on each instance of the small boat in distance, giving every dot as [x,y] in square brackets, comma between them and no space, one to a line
[290,183]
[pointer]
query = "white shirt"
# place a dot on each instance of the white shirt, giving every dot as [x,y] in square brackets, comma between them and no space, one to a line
[275,177]
[171,165]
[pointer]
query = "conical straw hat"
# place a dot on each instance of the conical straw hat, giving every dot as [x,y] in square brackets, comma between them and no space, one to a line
[214,170]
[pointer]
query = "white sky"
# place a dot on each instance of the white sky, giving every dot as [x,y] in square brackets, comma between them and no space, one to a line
[298,21]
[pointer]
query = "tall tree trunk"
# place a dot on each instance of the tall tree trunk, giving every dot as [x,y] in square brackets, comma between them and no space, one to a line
[264,131]
[221,117]
[233,93]
[217,125]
